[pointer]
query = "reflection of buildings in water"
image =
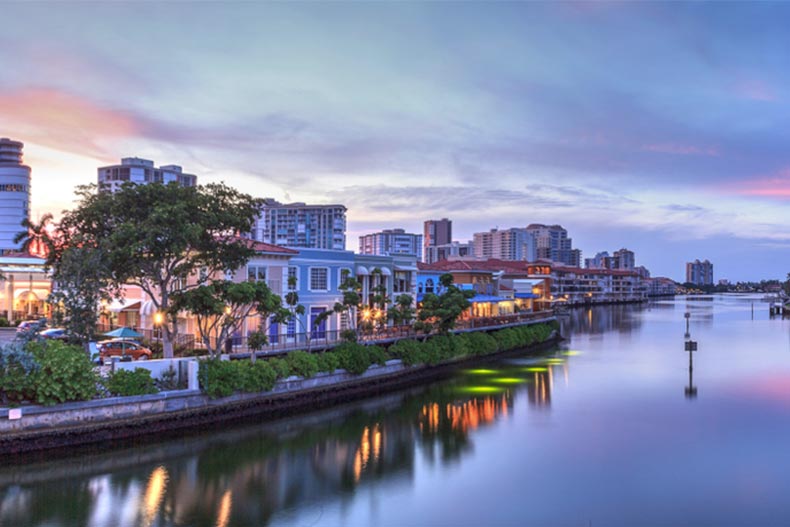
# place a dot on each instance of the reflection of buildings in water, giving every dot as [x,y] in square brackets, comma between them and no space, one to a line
[446,425]
[539,391]
[600,319]
[243,478]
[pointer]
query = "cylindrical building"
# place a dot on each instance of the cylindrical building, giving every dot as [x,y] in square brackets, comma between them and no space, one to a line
[14,193]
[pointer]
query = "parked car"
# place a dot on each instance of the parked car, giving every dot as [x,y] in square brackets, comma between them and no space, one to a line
[121,347]
[26,324]
[55,333]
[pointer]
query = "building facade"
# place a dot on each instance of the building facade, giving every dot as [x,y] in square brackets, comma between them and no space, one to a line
[390,242]
[507,244]
[552,243]
[301,225]
[14,193]
[142,171]
[449,251]
[699,273]
[437,232]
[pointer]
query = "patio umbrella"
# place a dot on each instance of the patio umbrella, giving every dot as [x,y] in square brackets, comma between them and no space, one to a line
[123,333]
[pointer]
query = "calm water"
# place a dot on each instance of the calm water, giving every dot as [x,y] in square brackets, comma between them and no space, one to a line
[601,431]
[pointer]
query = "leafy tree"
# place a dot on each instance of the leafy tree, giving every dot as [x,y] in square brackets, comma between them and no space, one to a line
[81,280]
[402,312]
[347,307]
[440,312]
[155,236]
[222,306]
[296,311]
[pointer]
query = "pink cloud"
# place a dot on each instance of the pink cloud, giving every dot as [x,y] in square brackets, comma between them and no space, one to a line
[64,121]
[773,186]
[681,149]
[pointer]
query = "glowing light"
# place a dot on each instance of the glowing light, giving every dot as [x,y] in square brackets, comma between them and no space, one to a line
[481,371]
[554,362]
[571,353]
[154,493]
[481,389]
[536,369]
[366,314]
[158,318]
[509,380]
[224,509]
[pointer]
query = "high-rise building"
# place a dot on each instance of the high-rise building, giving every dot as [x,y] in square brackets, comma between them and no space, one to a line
[507,244]
[301,225]
[552,243]
[14,193]
[142,171]
[437,232]
[699,273]
[449,251]
[602,260]
[390,242]
[624,260]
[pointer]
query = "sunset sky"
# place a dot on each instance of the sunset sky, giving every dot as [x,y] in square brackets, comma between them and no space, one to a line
[663,128]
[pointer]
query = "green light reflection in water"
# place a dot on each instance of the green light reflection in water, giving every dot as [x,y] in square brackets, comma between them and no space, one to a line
[481,371]
[536,369]
[510,380]
[481,389]
[571,353]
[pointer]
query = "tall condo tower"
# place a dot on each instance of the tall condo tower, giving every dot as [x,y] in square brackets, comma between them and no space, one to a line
[14,193]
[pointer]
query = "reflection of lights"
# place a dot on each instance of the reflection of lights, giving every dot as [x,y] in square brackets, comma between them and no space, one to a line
[536,369]
[481,371]
[154,492]
[571,353]
[369,449]
[509,380]
[480,389]
[224,509]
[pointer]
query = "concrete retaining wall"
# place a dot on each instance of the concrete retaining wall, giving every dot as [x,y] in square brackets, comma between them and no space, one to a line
[32,418]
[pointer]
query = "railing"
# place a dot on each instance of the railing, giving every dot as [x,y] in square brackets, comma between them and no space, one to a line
[324,339]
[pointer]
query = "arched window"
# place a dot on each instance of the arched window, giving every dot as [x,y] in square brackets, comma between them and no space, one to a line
[429,285]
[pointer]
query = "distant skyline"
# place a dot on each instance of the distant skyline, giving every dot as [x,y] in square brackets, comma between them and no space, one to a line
[660,127]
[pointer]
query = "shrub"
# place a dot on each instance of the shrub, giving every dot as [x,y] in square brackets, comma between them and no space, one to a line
[128,382]
[169,380]
[410,352]
[4,322]
[481,343]
[354,357]
[65,373]
[281,367]
[220,378]
[377,355]
[259,377]
[328,361]
[17,368]
[302,363]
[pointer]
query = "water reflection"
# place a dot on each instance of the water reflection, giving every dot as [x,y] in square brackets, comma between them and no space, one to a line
[246,476]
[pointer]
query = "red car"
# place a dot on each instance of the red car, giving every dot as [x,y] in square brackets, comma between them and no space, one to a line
[121,347]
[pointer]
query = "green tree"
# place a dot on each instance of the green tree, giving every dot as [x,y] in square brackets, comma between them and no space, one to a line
[347,307]
[156,236]
[222,306]
[296,311]
[402,311]
[80,281]
[441,312]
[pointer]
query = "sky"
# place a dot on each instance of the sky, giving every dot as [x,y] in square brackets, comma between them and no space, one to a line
[660,127]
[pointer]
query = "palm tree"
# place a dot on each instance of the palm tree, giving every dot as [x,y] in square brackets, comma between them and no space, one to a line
[35,237]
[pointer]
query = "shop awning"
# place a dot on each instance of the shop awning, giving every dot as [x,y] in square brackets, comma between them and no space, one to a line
[362,270]
[386,271]
[116,306]
[411,268]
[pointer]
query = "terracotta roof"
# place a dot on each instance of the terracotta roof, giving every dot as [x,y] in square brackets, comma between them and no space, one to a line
[263,247]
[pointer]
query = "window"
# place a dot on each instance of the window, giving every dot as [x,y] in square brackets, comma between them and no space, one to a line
[319,279]
[429,285]
[402,282]
[344,275]
[291,328]
[293,279]
[256,273]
